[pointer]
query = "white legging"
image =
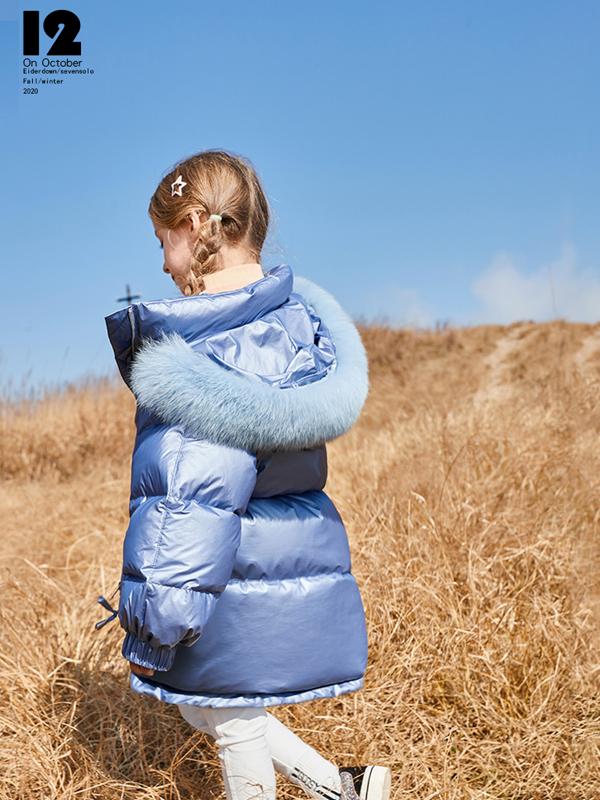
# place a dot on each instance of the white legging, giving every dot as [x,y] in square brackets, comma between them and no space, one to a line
[252,743]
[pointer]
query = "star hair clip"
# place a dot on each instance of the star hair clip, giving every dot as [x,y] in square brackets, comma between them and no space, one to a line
[177,187]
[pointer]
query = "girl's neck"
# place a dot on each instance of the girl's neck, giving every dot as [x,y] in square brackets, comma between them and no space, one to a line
[234,255]
[232,277]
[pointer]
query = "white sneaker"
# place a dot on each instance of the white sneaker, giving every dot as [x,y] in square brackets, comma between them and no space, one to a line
[365,783]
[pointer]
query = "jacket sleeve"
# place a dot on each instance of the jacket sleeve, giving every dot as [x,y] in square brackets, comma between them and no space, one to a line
[187,498]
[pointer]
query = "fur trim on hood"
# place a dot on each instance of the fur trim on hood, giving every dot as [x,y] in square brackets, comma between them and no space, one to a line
[186,388]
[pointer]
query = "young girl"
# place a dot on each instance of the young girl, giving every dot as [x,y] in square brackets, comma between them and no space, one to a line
[236,590]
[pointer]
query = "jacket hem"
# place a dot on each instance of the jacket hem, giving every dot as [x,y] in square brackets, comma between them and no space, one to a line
[167,694]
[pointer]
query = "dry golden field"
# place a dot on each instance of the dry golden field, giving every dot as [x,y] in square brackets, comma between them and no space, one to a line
[470,490]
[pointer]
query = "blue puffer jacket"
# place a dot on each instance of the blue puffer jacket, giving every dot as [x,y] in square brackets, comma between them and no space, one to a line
[236,583]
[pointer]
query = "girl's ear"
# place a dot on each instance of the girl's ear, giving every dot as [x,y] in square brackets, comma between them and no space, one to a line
[193,222]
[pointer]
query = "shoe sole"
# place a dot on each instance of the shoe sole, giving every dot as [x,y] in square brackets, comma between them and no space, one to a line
[376,784]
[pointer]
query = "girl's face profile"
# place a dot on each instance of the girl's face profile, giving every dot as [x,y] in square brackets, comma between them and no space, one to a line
[178,246]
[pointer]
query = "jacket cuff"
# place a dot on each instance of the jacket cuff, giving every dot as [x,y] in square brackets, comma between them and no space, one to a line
[159,658]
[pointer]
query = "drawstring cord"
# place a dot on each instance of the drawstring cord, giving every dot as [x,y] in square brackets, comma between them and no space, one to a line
[106,604]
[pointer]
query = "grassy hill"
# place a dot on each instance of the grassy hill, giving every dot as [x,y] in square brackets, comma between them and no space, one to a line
[470,491]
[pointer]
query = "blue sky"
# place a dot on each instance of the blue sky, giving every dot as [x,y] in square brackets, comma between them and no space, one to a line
[427,161]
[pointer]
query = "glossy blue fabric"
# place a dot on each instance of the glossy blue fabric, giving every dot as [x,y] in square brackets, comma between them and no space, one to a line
[236,582]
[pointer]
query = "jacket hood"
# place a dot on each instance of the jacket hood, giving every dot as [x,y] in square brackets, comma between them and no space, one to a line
[194,318]
[161,352]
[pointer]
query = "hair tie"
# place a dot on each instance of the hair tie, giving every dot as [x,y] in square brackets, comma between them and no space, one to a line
[216,216]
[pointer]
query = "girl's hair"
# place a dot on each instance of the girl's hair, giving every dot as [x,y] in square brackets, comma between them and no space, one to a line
[220,183]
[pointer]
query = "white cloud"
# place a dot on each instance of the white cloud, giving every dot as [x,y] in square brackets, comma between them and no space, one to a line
[397,307]
[509,295]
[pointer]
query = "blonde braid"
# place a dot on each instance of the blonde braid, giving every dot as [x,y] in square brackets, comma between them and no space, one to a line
[205,258]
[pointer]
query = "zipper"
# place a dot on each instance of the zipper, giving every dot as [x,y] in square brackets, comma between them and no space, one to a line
[132,323]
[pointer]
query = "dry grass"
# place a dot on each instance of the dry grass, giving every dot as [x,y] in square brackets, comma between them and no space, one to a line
[470,492]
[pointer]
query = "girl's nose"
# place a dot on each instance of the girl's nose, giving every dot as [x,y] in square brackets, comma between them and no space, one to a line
[165,269]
